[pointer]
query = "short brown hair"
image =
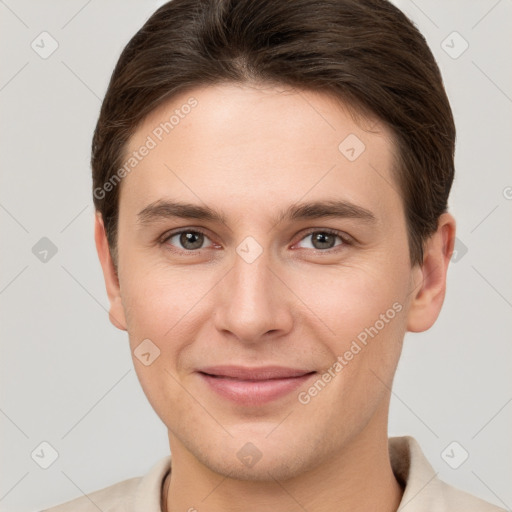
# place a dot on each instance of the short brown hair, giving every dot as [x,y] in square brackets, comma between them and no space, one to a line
[367,53]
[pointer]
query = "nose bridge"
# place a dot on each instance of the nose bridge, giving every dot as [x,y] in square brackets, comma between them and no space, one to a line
[251,304]
[251,281]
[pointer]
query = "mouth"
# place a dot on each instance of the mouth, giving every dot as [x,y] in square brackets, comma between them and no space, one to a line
[253,386]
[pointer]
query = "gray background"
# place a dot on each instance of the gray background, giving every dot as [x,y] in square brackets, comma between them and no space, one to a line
[67,375]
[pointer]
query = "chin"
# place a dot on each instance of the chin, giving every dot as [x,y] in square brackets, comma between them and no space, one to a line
[260,459]
[267,469]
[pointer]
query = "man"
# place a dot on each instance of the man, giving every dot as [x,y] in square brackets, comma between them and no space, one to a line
[271,183]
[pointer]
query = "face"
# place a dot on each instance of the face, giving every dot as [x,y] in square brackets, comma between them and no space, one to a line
[264,276]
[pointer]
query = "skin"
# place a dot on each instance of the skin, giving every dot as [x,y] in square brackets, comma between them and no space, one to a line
[250,151]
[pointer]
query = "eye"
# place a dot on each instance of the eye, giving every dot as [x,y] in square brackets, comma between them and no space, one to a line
[189,240]
[323,239]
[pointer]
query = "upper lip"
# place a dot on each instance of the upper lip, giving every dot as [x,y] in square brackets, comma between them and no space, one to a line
[256,373]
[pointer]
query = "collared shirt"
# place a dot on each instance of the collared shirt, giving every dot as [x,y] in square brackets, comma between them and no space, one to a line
[423,491]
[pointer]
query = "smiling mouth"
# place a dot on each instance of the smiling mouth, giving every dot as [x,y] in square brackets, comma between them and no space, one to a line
[253,386]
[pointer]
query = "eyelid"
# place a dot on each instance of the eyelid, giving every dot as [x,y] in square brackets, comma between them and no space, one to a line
[169,234]
[344,237]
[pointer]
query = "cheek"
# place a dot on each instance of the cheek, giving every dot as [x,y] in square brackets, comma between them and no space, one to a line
[158,299]
[347,300]
[159,307]
[168,307]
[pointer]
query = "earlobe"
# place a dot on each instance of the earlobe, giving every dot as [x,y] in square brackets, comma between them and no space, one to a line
[116,311]
[429,282]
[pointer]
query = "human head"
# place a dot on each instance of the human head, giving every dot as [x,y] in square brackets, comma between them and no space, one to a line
[246,146]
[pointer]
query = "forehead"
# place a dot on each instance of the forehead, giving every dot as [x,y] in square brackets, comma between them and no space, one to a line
[252,147]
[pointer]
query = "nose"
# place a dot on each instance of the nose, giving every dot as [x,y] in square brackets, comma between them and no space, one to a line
[253,304]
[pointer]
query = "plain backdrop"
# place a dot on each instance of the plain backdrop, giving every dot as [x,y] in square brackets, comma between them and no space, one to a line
[67,377]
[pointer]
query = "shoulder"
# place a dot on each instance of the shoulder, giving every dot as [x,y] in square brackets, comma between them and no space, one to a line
[132,495]
[112,498]
[455,499]
[423,490]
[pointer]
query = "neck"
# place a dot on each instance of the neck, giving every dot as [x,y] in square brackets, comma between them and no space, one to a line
[359,478]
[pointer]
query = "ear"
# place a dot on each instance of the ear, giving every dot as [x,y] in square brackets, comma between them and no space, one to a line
[429,281]
[116,312]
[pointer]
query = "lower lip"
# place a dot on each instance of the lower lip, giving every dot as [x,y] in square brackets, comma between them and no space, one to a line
[250,392]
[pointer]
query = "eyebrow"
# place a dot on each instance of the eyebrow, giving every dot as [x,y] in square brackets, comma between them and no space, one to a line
[165,209]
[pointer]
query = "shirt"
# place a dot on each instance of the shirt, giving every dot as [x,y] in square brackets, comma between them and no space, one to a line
[423,491]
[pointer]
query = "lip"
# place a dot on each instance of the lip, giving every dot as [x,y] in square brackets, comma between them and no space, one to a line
[253,386]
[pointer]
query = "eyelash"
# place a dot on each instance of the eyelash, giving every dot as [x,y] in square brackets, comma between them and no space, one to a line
[345,240]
